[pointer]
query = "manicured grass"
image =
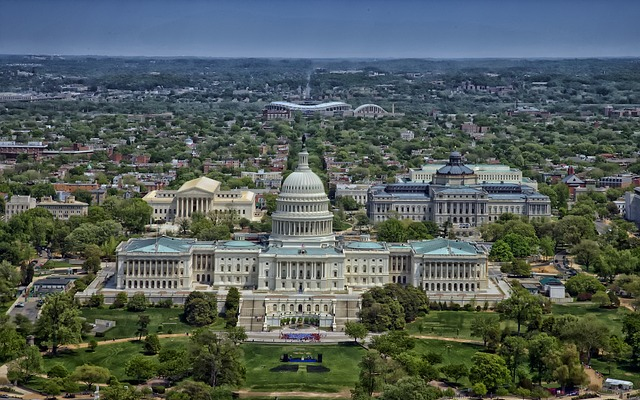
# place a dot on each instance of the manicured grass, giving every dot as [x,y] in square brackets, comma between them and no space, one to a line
[342,360]
[452,352]
[58,264]
[449,324]
[612,317]
[127,322]
[622,371]
[112,356]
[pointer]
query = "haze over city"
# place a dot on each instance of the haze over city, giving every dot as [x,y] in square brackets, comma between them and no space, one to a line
[283,28]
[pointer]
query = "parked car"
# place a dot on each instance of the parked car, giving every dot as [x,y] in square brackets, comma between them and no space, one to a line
[21,304]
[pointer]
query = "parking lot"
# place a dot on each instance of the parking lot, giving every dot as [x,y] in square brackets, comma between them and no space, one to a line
[28,308]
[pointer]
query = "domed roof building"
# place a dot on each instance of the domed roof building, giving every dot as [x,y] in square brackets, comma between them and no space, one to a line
[302,215]
[455,172]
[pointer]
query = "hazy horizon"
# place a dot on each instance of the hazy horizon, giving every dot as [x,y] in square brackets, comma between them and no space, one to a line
[332,29]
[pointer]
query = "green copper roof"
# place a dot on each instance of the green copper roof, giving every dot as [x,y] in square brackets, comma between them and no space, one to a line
[239,244]
[365,246]
[159,245]
[441,246]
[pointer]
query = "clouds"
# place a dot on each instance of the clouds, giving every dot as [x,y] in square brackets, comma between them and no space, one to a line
[330,28]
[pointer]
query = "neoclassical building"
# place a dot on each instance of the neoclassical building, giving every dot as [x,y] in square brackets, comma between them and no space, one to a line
[456,195]
[201,195]
[303,270]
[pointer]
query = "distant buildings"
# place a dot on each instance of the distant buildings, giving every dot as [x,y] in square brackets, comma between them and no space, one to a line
[59,209]
[17,205]
[266,179]
[286,110]
[455,195]
[201,195]
[357,191]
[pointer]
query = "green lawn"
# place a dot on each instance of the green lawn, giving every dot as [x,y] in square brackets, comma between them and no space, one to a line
[112,356]
[448,324]
[452,352]
[58,264]
[341,360]
[622,371]
[127,322]
[612,317]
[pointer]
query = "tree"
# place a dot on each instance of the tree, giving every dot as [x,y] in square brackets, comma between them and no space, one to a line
[487,327]
[236,334]
[500,251]
[601,298]
[51,387]
[121,300]
[514,351]
[488,369]
[521,307]
[9,279]
[517,267]
[91,265]
[371,369]
[393,343]
[572,229]
[583,283]
[172,364]
[58,371]
[587,253]
[542,349]
[410,388]
[391,230]
[118,391]
[137,303]
[140,368]
[12,343]
[200,309]
[454,372]
[93,344]
[479,389]
[231,307]
[631,330]
[59,321]
[215,361]
[547,246]
[355,330]
[152,344]
[27,366]
[143,325]
[134,214]
[90,374]
[569,372]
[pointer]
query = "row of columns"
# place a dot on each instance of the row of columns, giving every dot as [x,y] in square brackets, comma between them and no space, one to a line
[316,270]
[465,207]
[152,268]
[458,271]
[188,205]
[302,228]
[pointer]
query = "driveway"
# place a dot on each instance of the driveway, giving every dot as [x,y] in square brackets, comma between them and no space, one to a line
[30,309]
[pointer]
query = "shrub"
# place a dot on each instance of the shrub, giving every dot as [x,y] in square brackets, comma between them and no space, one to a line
[93,344]
[58,371]
[158,389]
[584,296]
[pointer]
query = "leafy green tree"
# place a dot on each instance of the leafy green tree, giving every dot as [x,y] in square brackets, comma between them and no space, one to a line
[121,300]
[58,371]
[59,321]
[371,372]
[200,309]
[479,389]
[569,372]
[514,352]
[586,252]
[542,349]
[547,246]
[583,283]
[500,251]
[27,366]
[410,388]
[215,361]
[93,344]
[454,372]
[51,387]
[172,364]
[572,229]
[521,306]
[631,330]
[392,343]
[152,344]
[118,391]
[140,368]
[137,303]
[355,330]
[9,280]
[601,298]
[236,334]
[12,343]
[488,369]
[143,325]
[231,307]
[517,267]
[487,327]
[391,230]
[134,214]
[90,374]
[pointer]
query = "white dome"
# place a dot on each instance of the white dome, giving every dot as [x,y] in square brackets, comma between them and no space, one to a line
[303,180]
[302,215]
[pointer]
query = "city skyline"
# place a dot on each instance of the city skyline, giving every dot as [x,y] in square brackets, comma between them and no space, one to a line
[331,29]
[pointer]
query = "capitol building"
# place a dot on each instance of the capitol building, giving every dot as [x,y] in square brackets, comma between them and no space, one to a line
[303,270]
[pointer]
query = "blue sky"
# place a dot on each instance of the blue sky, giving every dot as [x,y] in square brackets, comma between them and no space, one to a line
[328,28]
